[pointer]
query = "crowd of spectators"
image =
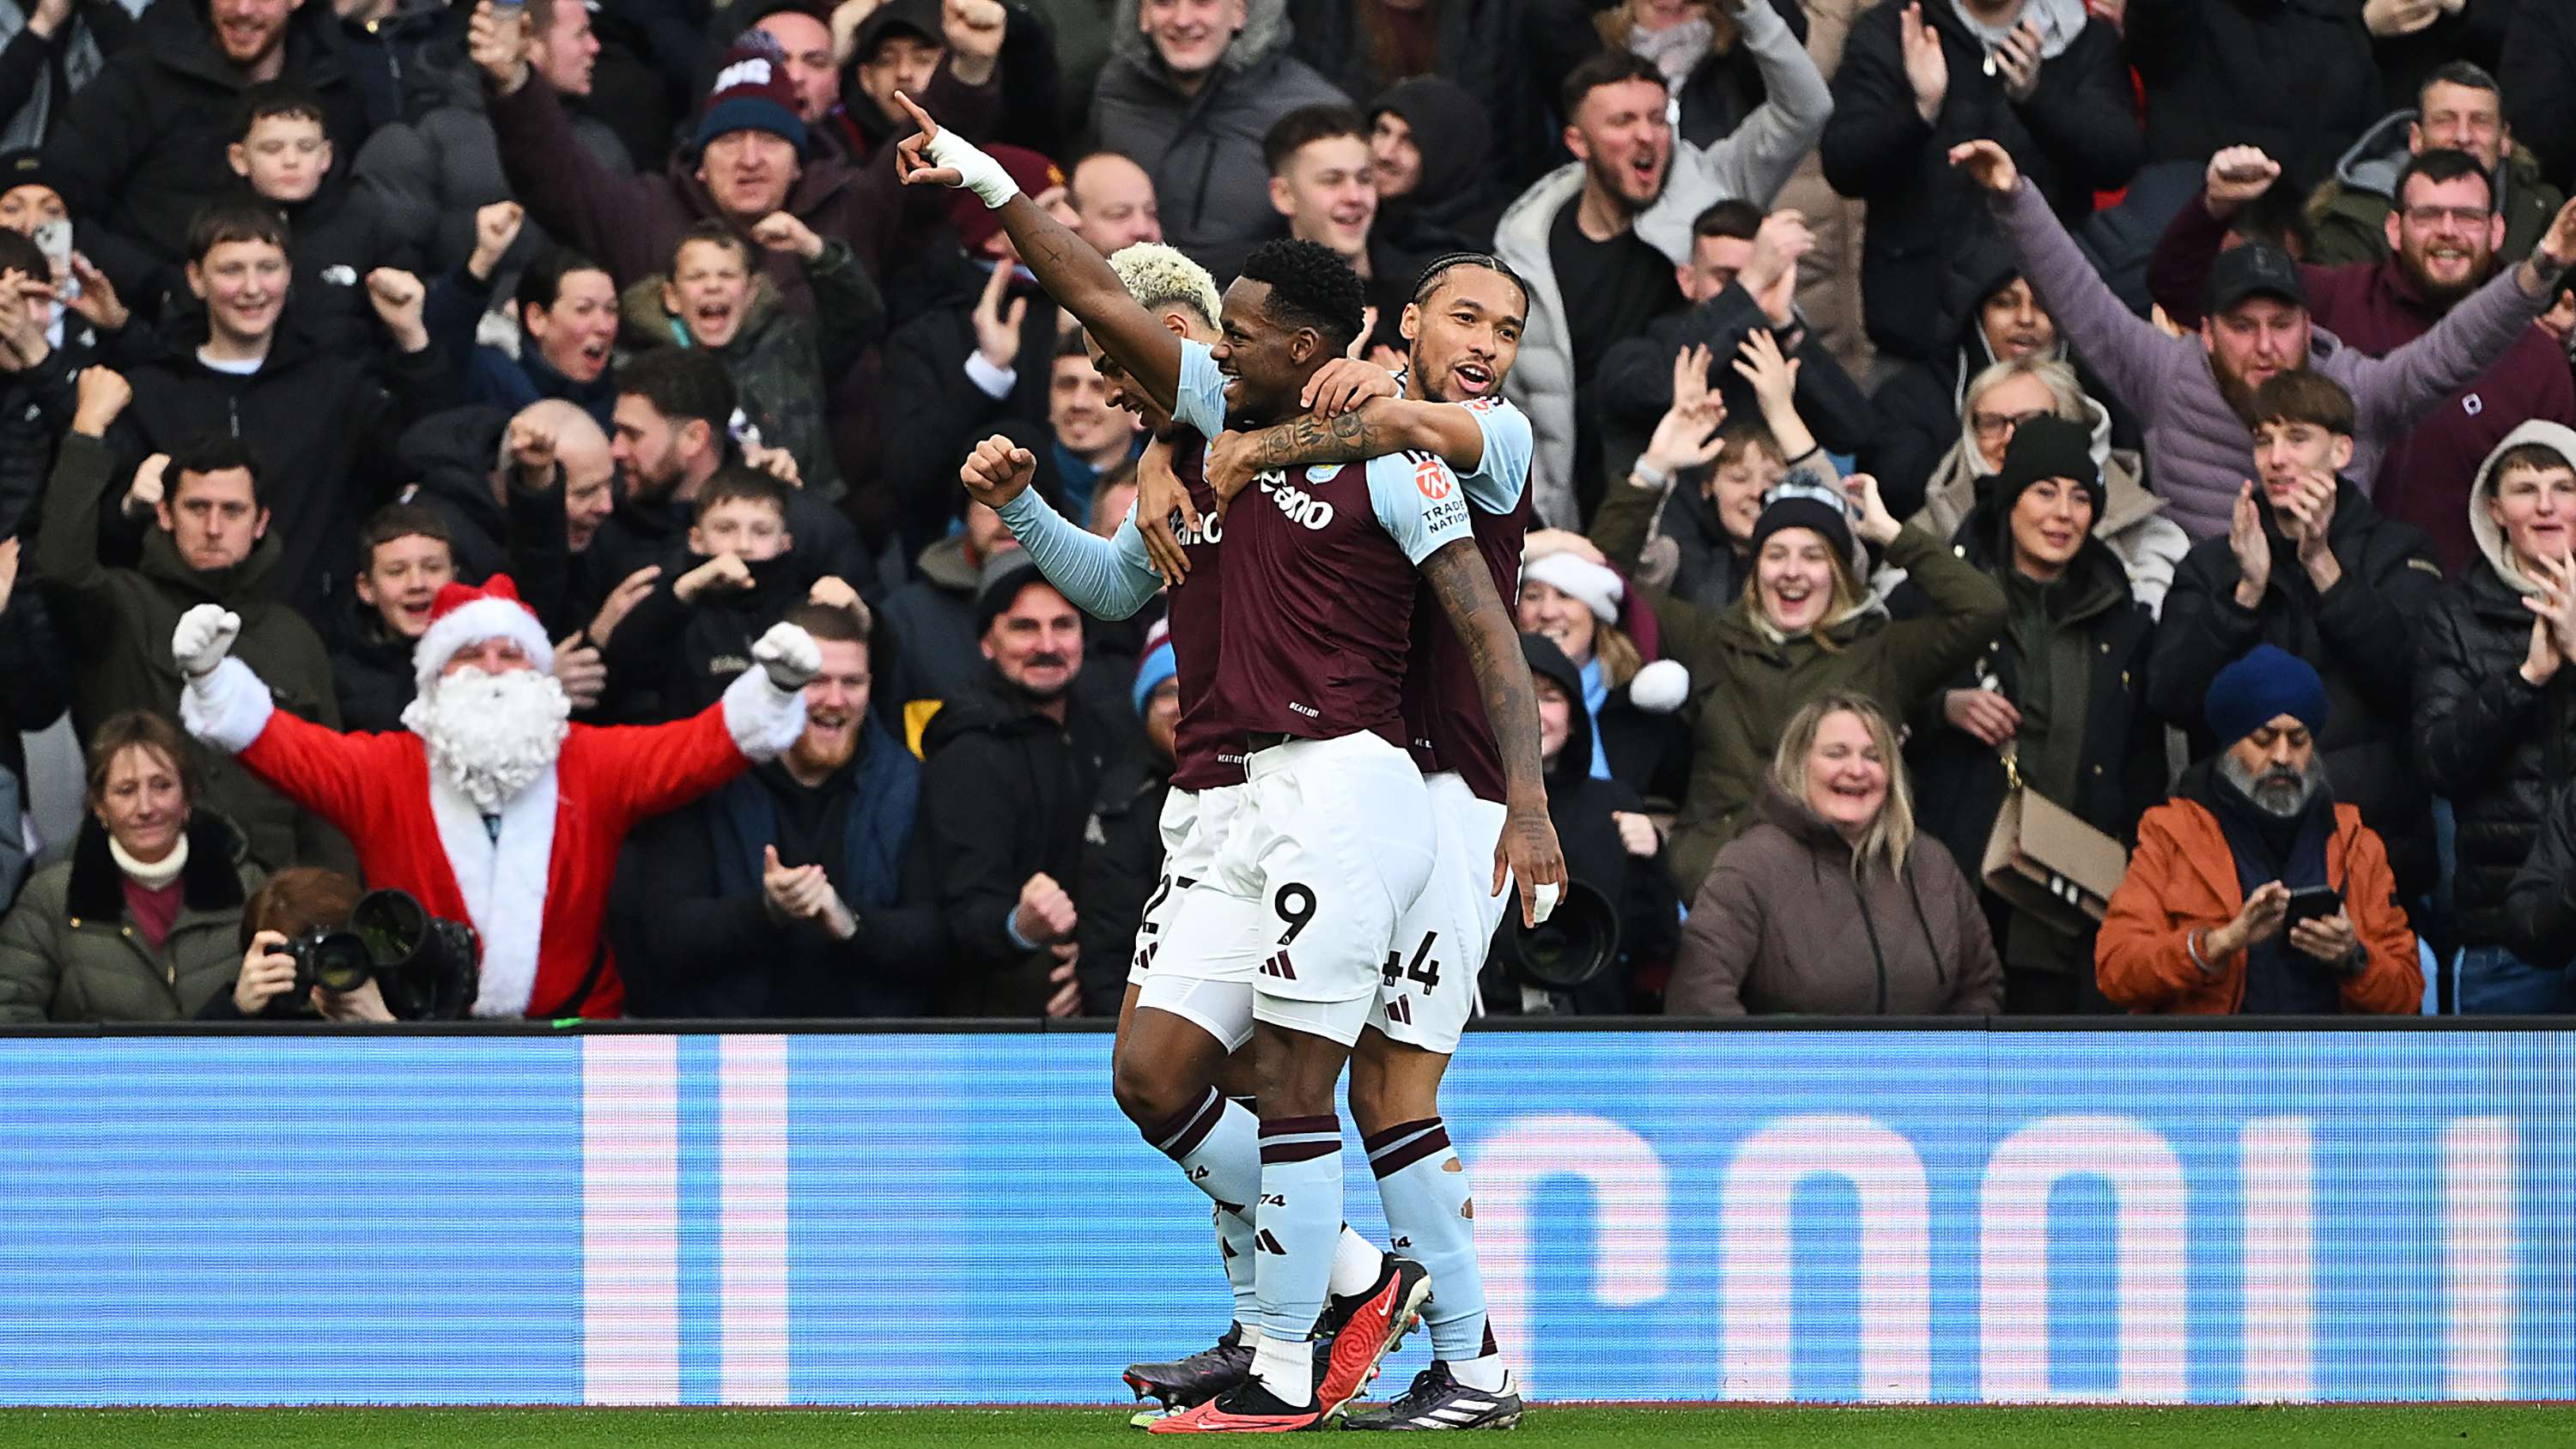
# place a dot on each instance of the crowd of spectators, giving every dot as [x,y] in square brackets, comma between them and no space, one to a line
[1975,441]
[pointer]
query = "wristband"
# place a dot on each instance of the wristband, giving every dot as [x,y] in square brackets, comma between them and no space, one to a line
[976,171]
[1647,475]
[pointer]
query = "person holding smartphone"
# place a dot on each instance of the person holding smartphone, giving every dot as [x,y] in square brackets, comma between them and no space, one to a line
[2254,890]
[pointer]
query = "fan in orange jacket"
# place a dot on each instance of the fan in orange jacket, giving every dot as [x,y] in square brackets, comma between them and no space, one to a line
[2201,922]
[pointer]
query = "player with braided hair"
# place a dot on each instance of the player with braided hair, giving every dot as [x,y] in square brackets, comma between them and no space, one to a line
[1335,838]
[1462,332]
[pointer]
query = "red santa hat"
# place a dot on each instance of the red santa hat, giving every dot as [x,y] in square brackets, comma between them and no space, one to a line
[463,614]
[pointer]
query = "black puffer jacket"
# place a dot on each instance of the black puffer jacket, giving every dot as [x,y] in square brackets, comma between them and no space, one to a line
[2491,743]
[2361,637]
[141,147]
[2077,134]
[1006,794]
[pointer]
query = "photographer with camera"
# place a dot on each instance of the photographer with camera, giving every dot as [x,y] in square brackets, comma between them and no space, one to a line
[1609,943]
[296,909]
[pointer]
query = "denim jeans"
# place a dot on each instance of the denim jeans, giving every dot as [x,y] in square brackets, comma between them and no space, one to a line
[2495,982]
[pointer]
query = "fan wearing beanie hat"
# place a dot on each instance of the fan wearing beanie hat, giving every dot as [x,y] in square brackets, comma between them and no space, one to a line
[752,93]
[490,806]
[2253,889]
[749,141]
[2046,450]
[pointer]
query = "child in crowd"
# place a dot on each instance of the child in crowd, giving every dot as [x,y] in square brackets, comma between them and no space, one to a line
[782,365]
[679,648]
[282,152]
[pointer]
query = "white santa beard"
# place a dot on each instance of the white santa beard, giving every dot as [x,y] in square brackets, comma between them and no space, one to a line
[489,736]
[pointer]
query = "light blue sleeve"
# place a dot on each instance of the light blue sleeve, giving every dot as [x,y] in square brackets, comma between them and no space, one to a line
[1502,475]
[1107,578]
[1200,400]
[1419,502]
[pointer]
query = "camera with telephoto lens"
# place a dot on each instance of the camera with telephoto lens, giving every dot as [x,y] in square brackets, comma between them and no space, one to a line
[1575,944]
[426,968]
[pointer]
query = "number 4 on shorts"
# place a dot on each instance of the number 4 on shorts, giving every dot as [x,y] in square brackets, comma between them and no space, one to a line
[1422,968]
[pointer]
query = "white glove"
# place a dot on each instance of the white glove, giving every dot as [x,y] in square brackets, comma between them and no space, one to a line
[205,635]
[789,656]
[976,171]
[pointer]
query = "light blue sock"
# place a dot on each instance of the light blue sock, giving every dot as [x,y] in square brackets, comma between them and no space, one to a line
[1299,1220]
[1431,1212]
[1216,1143]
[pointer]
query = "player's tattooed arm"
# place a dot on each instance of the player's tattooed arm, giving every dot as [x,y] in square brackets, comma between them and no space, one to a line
[1528,848]
[1379,427]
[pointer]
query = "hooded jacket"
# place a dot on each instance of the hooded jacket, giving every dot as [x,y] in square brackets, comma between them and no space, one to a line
[2362,638]
[1746,681]
[1204,150]
[2295,77]
[323,426]
[2372,306]
[1638,887]
[121,620]
[1005,794]
[69,953]
[1481,51]
[2077,134]
[2182,880]
[141,147]
[432,172]
[1785,925]
[693,934]
[2199,452]
[1752,164]
[1921,407]
[2491,742]
[781,363]
[2349,212]
[2131,520]
[1455,204]
[2094,719]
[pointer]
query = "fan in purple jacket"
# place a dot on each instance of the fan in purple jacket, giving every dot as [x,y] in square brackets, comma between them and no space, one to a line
[2444,238]
[2186,390]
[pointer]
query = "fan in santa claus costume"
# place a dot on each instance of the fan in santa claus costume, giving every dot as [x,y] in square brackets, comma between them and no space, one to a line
[490,806]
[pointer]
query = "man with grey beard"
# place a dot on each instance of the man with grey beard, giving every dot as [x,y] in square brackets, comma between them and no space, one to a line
[2253,891]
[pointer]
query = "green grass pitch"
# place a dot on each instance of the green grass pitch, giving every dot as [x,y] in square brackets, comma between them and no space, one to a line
[1547,1426]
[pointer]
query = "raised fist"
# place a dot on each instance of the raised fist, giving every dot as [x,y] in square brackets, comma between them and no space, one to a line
[782,231]
[789,656]
[204,636]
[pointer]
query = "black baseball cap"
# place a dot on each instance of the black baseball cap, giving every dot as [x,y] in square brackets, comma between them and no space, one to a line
[2256,269]
[921,17]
